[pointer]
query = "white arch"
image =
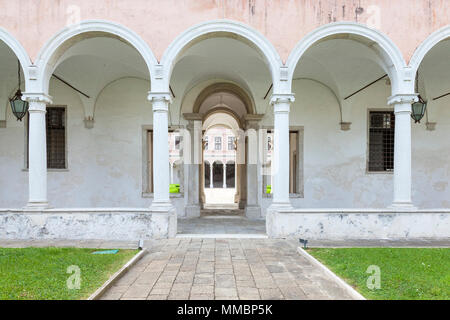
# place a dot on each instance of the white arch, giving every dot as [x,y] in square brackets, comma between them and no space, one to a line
[390,53]
[19,51]
[59,41]
[428,44]
[202,30]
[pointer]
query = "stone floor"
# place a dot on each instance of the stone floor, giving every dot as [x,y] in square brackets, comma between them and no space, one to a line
[217,225]
[221,220]
[206,269]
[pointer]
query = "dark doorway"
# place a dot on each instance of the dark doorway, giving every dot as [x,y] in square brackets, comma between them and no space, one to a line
[231,174]
[217,174]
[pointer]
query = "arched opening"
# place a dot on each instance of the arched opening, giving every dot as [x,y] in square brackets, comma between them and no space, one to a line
[344,74]
[219,73]
[220,131]
[430,143]
[98,76]
[13,159]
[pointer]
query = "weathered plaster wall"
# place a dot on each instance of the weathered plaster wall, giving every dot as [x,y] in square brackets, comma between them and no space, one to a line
[335,161]
[104,166]
[107,224]
[350,224]
[105,163]
[283,22]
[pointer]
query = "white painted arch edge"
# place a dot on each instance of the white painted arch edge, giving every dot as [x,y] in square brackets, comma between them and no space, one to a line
[227,26]
[20,52]
[428,44]
[387,45]
[51,46]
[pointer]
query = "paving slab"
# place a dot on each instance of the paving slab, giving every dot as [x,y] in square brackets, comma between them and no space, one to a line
[267,269]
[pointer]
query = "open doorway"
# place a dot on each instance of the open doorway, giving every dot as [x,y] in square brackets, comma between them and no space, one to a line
[219,158]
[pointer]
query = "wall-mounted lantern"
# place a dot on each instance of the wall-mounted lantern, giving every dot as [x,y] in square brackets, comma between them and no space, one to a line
[418,110]
[19,107]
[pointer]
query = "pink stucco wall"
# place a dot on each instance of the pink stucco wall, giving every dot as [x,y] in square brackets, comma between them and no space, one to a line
[283,22]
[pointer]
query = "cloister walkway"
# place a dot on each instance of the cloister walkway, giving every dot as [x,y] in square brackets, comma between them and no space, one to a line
[208,269]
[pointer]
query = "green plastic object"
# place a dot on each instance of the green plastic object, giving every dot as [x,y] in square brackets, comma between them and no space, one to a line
[106,252]
[174,188]
[268,188]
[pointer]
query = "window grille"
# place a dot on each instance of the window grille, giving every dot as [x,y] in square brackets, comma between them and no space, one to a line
[56,137]
[381,141]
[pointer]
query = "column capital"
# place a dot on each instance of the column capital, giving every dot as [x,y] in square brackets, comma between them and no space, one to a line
[37,97]
[252,121]
[409,98]
[282,98]
[193,116]
[160,100]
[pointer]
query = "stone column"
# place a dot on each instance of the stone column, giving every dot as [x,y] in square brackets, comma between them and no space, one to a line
[253,206]
[37,151]
[280,162]
[211,184]
[224,175]
[194,161]
[161,207]
[402,150]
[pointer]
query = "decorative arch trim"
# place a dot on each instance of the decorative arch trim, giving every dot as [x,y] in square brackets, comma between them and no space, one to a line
[229,88]
[20,52]
[429,43]
[390,53]
[85,29]
[216,28]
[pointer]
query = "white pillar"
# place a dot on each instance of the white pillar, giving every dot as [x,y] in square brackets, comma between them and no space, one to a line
[171,173]
[252,207]
[193,161]
[280,163]
[161,175]
[402,150]
[37,151]
[211,185]
[224,175]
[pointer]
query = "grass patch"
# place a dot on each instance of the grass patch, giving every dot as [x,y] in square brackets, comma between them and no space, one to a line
[41,273]
[412,274]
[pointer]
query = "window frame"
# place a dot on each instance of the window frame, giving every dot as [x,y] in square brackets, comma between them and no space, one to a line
[146,191]
[369,110]
[300,192]
[216,139]
[231,143]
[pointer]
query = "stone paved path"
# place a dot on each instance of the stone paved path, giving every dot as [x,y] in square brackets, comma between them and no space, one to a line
[205,269]
[214,225]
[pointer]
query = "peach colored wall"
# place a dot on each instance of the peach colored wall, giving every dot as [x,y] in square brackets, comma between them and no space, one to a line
[283,22]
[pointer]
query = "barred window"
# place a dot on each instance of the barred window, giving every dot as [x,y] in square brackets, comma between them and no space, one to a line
[56,137]
[381,141]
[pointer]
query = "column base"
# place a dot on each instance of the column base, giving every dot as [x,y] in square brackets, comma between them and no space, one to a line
[253,212]
[276,206]
[192,211]
[398,205]
[37,205]
[165,211]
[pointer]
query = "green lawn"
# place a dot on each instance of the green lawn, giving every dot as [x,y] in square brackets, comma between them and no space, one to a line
[405,273]
[41,273]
